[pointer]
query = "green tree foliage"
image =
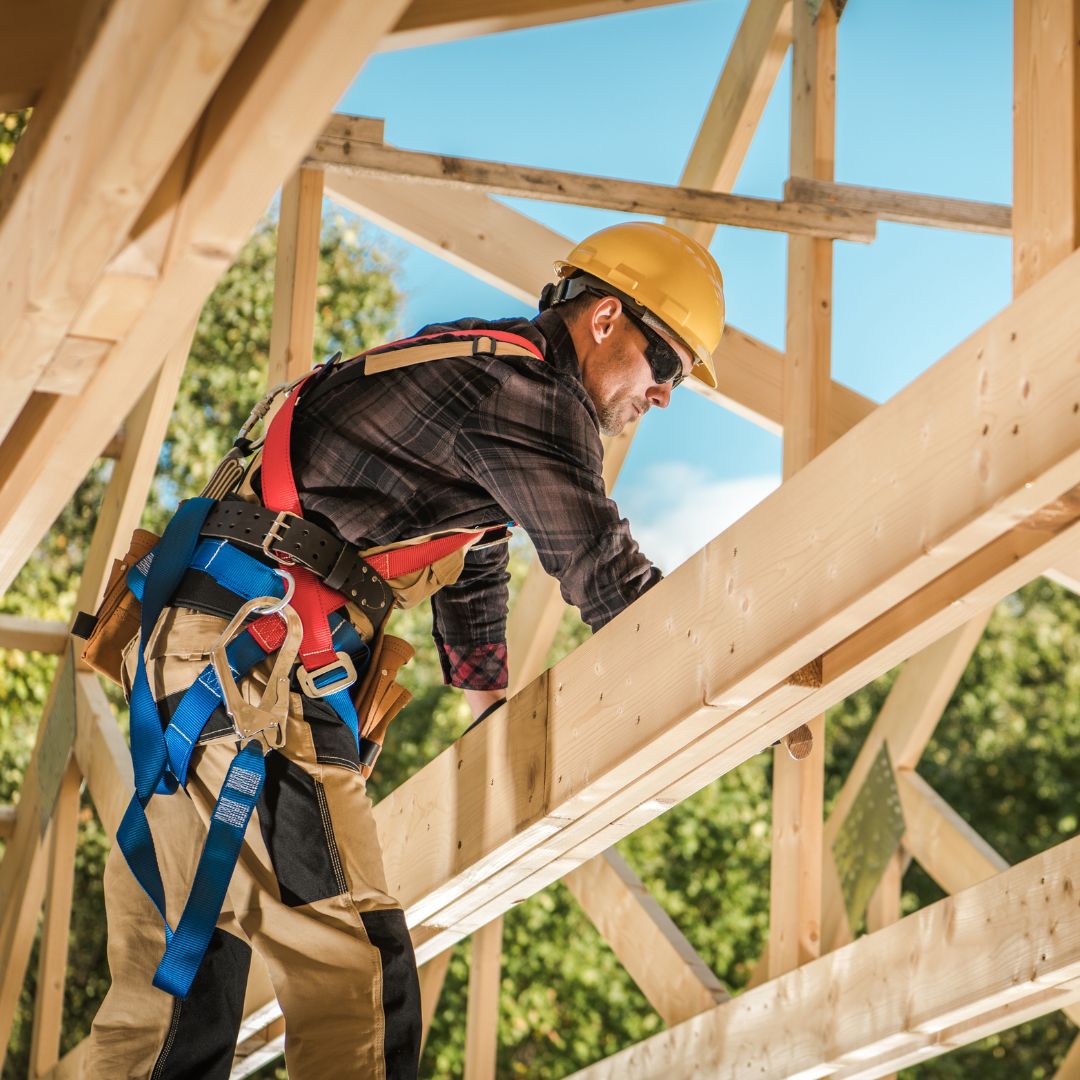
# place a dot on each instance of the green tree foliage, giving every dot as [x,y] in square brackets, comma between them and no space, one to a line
[1007,754]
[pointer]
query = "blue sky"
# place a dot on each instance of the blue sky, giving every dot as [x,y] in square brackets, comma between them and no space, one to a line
[924,99]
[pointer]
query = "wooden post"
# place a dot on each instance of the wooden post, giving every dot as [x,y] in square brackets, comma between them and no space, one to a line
[292,333]
[52,965]
[482,1024]
[432,976]
[798,786]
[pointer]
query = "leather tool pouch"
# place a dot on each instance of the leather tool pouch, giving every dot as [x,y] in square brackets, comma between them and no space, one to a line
[117,618]
[380,697]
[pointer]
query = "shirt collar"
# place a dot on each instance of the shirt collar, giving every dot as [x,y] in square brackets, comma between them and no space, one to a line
[559,350]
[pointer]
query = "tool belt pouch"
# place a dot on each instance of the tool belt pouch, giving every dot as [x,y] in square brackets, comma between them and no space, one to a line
[380,697]
[117,619]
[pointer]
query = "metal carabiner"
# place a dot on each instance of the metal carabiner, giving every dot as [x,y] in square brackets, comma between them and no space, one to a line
[265,720]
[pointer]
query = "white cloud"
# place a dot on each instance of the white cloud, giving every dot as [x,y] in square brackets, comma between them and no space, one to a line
[677,509]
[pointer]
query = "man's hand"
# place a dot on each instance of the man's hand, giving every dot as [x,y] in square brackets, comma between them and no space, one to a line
[482,700]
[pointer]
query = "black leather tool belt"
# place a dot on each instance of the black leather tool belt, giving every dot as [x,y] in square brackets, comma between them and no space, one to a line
[293,541]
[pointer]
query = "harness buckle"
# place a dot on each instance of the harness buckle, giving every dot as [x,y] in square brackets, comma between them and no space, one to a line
[275,534]
[346,676]
[264,721]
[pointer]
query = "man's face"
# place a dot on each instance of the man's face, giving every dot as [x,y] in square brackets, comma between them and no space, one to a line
[619,380]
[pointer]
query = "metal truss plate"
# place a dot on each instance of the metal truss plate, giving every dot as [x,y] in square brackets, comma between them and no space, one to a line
[869,837]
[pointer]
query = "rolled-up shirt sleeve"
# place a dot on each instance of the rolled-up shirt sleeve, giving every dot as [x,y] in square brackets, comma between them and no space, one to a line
[540,457]
[469,622]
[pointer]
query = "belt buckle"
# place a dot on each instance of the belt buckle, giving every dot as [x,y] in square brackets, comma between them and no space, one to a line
[265,720]
[273,534]
[346,677]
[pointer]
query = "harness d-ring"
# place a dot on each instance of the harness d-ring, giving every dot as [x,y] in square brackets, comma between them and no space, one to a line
[279,607]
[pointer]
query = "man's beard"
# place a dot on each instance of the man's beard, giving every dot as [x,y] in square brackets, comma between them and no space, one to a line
[610,414]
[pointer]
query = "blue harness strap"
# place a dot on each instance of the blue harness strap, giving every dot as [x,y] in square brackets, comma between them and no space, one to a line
[160,756]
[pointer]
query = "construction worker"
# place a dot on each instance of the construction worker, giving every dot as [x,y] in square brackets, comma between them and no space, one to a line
[504,428]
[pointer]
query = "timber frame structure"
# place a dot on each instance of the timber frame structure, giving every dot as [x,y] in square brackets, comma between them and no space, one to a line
[969,483]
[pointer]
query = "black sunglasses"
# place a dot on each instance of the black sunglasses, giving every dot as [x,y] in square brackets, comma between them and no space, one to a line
[664,362]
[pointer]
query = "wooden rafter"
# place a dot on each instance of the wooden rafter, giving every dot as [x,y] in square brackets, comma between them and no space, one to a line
[143,76]
[629,196]
[967,966]
[740,97]
[265,113]
[433,22]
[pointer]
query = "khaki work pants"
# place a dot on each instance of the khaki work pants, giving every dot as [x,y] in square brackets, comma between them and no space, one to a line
[308,894]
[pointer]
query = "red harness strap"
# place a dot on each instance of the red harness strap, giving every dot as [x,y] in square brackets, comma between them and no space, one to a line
[312,600]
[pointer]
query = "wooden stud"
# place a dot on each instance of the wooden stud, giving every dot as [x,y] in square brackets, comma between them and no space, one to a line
[1046,137]
[52,966]
[292,332]
[432,976]
[482,1020]
[629,196]
[934,211]
[103,134]
[1069,1069]
[7,822]
[676,981]
[37,38]
[957,970]
[798,774]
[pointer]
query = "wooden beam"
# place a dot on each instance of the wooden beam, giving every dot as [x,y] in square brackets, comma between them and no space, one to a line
[935,211]
[7,822]
[676,981]
[107,127]
[482,1018]
[945,975]
[740,97]
[38,35]
[433,22]
[296,274]
[265,113]
[32,635]
[102,753]
[551,185]
[795,896]
[943,844]
[52,965]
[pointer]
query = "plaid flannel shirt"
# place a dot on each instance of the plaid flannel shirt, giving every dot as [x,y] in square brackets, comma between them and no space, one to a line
[471,441]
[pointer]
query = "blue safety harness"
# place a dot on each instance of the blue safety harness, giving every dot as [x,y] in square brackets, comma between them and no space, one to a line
[161,752]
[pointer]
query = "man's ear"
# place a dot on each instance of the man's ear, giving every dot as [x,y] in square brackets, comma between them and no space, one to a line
[605,314]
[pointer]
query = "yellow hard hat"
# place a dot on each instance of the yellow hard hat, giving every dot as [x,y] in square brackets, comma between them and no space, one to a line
[664,271]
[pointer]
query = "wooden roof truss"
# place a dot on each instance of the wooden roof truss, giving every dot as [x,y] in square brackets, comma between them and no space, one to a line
[896,529]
